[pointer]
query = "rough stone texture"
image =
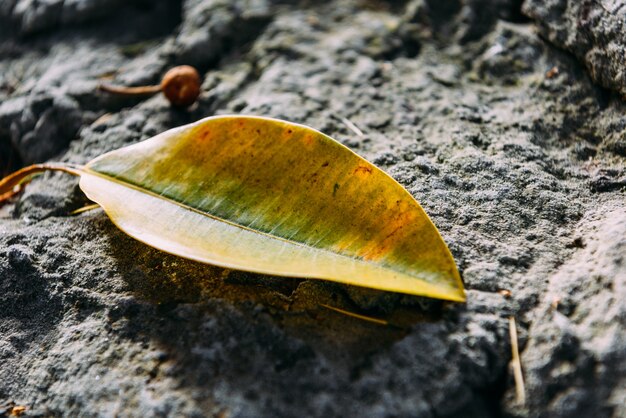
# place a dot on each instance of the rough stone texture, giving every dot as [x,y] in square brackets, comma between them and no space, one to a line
[582,319]
[522,171]
[593,30]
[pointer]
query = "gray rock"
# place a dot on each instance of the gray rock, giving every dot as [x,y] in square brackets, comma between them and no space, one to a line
[35,15]
[79,11]
[585,326]
[211,25]
[521,171]
[593,30]
[40,126]
[29,18]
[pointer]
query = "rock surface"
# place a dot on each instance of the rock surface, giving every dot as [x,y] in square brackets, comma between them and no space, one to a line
[593,30]
[512,150]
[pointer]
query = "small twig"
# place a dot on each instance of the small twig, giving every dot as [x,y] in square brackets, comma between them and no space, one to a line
[129,91]
[85,209]
[355,315]
[352,126]
[516,363]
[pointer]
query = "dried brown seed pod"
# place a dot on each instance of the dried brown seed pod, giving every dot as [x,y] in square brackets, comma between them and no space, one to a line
[180,85]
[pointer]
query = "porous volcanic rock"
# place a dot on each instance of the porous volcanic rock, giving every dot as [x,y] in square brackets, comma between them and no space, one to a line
[510,146]
[593,30]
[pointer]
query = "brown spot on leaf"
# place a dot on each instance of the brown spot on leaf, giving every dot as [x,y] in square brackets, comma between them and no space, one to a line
[385,243]
[363,169]
[205,134]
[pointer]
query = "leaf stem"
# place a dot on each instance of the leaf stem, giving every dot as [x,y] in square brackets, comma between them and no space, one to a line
[13,183]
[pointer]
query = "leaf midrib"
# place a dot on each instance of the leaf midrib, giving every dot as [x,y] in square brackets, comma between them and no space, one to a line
[229,222]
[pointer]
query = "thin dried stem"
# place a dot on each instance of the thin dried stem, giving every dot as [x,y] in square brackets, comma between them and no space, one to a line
[520,390]
[352,126]
[356,315]
[129,91]
[85,209]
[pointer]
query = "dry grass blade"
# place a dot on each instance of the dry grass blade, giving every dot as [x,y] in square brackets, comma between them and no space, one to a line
[352,126]
[85,209]
[356,315]
[520,391]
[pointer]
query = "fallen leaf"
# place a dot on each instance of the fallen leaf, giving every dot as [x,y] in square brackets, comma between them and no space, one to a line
[273,197]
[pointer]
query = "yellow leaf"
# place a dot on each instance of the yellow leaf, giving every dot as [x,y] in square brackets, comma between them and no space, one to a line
[272,197]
